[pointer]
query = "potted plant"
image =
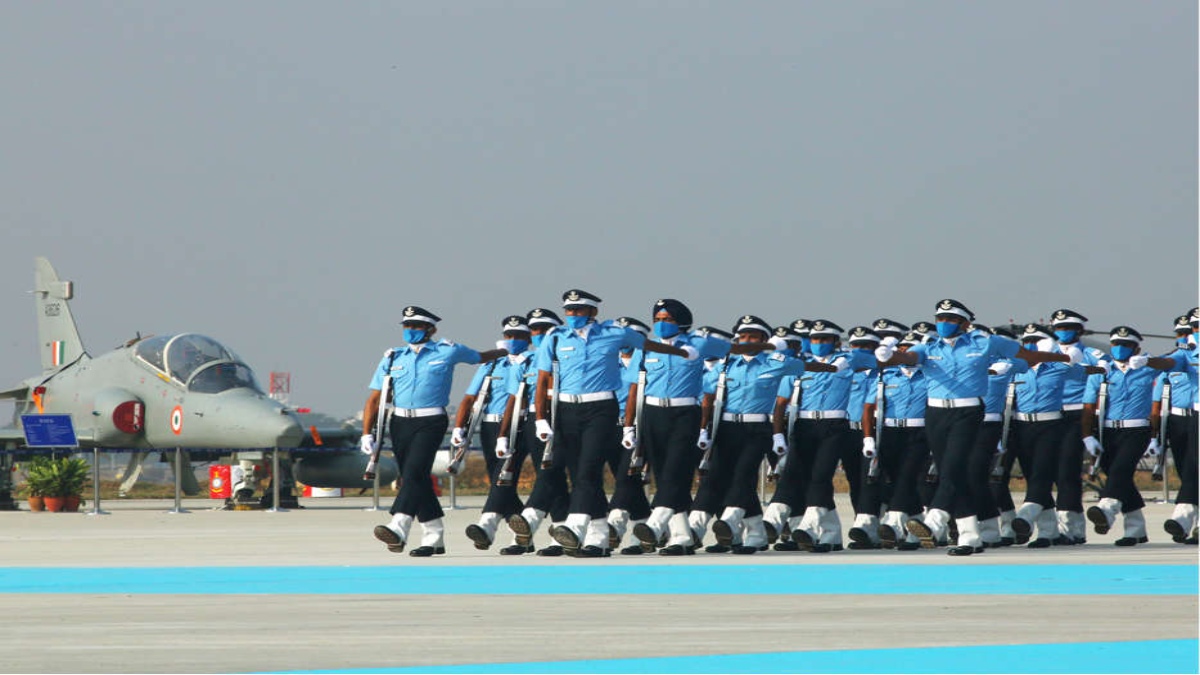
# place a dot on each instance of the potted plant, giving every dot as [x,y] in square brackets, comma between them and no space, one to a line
[38,480]
[60,480]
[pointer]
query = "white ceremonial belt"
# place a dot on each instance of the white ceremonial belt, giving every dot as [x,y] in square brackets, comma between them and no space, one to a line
[955,402]
[492,418]
[670,402]
[857,426]
[1067,407]
[1185,412]
[823,414]
[748,417]
[993,417]
[418,412]
[586,398]
[1125,424]
[902,423]
[1037,417]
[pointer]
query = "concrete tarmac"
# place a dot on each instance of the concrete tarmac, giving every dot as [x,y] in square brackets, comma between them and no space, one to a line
[313,626]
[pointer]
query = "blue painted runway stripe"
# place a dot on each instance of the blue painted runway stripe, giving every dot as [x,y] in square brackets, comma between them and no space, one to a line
[573,578]
[1151,656]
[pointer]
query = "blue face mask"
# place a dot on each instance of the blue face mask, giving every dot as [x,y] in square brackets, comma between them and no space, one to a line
[1181,341]
[864,350]
[537,340]
[822,348]
[666,329]
[947,329]
[1029,346]
[805,345]
[1066,336]
[414,336]
[1122,352]
[577,322]
[516,346]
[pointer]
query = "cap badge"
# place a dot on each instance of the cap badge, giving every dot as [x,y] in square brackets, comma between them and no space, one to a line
[747,319]
[945,304]
[1123,331]
[1060,315]
[409,311]
[573,295]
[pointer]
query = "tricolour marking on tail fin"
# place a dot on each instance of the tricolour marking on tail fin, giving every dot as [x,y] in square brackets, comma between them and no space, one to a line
[58,338]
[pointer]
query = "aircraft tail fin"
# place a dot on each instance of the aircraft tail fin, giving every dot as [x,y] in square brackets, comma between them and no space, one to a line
[58,337]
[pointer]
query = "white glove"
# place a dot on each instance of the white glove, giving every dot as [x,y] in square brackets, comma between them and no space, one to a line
[1092,445]
[779,445]
[890,341]
[884,352]
[502,448]
[628,437]
[367,444]
[841,364]
[1074,353]
[1047,345]
[869,448]
[692,352]
[544,432]
[457,438]
[1138,361]
[704,441]
[502,344]
[1152,450]
[778,342]
[999,368]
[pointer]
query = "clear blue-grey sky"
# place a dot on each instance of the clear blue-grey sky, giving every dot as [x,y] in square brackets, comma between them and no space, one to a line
[285,176]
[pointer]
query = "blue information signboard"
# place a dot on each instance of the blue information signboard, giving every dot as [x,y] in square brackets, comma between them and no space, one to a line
[49,431]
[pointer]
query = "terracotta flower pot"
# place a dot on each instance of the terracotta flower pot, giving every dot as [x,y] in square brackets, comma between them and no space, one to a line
[55,504]
[72,503]
[37,503]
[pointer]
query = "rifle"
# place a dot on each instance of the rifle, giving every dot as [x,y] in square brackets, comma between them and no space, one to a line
[473,422]
[718,407]
[1101,414]
[506,470]
[880,409]
[1164,414]
[793,411]
[637,459]
[548,452]
[382,417]
[1010,397]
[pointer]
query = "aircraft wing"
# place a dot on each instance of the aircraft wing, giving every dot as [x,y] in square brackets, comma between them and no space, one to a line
[19,391]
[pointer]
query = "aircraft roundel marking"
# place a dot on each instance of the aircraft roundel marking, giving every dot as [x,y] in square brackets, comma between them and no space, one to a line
[177,420]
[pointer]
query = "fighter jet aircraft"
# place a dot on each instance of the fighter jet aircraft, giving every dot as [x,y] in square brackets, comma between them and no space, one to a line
[162,392]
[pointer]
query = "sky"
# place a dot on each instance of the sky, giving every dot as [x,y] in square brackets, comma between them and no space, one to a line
[285,177]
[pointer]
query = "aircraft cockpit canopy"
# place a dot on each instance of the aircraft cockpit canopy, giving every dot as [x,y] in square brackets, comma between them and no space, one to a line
[199,362]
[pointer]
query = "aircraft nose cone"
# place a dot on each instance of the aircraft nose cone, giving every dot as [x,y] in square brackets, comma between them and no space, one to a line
[290,433]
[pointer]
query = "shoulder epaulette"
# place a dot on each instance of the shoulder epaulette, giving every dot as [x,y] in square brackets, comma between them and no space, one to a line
[779,356]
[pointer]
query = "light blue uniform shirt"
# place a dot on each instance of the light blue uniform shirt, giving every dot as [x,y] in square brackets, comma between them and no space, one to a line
[422,379]
[993,401]
[1129,391]
[629,375]
[904,396]
[587,366]
[960,369]
[497,398]
[670,376]
[525,369]
[1183,384]
[828,391]
[1040,388]
[1077,380]
[860,383]
[751,385]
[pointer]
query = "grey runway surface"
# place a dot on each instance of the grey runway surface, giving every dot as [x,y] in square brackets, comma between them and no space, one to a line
[307,628]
